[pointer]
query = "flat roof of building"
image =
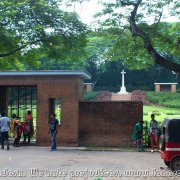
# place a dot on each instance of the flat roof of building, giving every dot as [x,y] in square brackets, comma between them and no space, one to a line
[165,83]
[82,74]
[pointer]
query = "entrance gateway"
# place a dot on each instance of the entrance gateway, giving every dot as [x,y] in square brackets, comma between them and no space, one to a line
[45,92]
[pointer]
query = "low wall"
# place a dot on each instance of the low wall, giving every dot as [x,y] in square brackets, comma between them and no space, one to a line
[108,123]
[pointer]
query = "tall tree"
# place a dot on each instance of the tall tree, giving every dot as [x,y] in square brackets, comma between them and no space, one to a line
[28,27]
[97,45]
[150,37]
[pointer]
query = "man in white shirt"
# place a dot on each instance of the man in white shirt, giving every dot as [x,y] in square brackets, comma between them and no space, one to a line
[5,125]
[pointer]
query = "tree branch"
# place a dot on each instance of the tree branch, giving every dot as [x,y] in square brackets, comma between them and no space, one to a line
[13,51]
[17,49]
[124,3]
[158,59]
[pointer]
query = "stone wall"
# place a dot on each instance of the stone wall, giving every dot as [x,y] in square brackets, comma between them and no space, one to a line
[108,123]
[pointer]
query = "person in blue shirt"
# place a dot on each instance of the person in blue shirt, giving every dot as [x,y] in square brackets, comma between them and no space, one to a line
[5,125]
[53,130]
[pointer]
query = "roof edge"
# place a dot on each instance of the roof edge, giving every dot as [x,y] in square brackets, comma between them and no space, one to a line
[165,83]
[83,74]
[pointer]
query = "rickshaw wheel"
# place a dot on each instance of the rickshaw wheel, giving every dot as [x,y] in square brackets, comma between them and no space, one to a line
[167,163]
[175,164]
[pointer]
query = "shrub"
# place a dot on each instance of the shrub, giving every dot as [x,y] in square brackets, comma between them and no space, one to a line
[90,95]
[170,113]
[167,99]
[157,113]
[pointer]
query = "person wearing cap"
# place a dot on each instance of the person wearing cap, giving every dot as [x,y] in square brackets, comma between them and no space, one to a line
[138,136]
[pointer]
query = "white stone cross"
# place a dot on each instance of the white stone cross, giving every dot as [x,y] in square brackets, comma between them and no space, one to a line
[123,72]
[123,88]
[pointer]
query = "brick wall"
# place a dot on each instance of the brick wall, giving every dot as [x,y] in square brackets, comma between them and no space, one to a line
[108,123]
[84,123]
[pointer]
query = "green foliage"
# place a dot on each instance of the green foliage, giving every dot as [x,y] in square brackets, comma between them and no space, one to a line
[165,37]
[157,113]
[166,99]
[90,95]
[130,49]
[31,28]
[53,64]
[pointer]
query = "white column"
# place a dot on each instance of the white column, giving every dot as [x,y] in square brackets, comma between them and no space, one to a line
[123,72]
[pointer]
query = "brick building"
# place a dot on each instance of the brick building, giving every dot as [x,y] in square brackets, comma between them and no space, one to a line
[88,87]
[165,87]
[51,85]
[81,123]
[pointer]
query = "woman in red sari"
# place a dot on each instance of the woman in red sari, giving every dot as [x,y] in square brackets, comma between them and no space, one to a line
[28,127]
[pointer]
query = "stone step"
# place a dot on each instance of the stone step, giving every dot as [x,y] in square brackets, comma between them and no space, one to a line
[121,97]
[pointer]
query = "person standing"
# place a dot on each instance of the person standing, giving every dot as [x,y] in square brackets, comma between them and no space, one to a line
[16,131]
[12,123]
[153,133]
[5,125]
[138,135]
[28,127]
[53,130]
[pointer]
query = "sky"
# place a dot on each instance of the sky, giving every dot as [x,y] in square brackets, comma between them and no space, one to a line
[87,9]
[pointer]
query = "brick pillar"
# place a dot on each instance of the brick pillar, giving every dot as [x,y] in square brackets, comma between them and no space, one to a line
[42,126]
[157,88]
[173,87]
[68,131]
[3,99]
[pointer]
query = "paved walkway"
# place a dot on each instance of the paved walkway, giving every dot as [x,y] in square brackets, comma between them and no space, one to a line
[33,162]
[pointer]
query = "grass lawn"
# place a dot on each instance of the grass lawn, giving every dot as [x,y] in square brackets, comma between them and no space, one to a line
[160,112]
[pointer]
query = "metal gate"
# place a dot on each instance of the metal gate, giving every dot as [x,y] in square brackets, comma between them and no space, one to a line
[20,99]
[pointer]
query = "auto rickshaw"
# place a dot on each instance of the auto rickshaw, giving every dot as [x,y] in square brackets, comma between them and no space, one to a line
[169,143]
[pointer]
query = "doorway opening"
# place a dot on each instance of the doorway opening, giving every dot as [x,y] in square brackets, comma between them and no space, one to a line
[55,106]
